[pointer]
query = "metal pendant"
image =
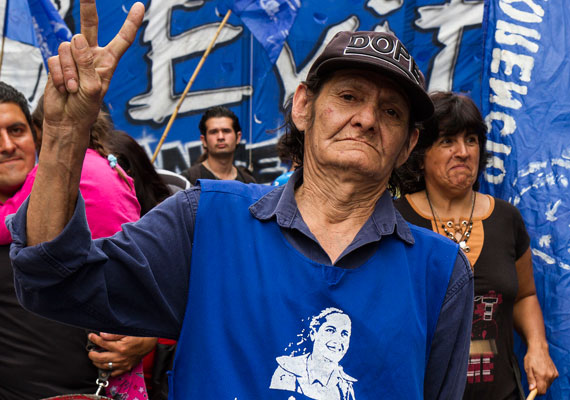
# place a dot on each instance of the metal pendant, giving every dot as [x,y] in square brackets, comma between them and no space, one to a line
[464,246]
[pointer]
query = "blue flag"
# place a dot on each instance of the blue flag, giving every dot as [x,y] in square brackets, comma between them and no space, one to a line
[19,25]
[268,20]
[49,27]
[526,103]
[37,23]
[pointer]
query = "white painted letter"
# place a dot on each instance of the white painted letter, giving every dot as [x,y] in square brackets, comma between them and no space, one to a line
[503,96]
[524,16]
[525,63]
[512,34]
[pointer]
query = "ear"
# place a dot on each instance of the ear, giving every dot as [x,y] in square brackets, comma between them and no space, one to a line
[300,111]
[238,137]
[203,140]
[407,148]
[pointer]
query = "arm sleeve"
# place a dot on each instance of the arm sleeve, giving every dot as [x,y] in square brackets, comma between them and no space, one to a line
[522,239]
[446,371]
[133,283]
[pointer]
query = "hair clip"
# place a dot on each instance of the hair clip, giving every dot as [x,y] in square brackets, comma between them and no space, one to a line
[112,160]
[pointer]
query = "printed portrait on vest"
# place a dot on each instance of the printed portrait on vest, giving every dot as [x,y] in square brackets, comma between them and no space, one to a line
[317,374]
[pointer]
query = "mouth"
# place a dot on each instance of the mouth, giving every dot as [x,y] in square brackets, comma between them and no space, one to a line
[334,348]
[357,140]
[10,160]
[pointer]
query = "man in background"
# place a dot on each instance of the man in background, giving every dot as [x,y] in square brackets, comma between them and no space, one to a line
[220,133]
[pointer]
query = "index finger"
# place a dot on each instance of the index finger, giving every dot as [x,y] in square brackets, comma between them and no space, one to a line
[128,31]
[111,336]
[89,21]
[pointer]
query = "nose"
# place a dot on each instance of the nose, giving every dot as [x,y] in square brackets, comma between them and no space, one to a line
[220,137]
[366,117]
[7,146]
[461,149]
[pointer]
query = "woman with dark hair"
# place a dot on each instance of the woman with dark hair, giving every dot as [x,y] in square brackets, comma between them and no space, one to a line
[439,185]
[150,189]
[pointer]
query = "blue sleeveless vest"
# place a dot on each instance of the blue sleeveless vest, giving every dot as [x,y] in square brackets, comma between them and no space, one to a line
[265,322]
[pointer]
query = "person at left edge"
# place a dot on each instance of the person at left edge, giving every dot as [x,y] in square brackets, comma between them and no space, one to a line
[329,238]
[51,356]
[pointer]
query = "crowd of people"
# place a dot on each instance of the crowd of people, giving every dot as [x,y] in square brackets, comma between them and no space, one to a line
[374,269]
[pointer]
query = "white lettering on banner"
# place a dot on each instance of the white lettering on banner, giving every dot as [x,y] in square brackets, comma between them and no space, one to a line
[551,211]
[532,168]
[494,161]
[451,18]
[533,16]
[160,101]
[508,33]
[543,256]
[525,63]
[383,7]
[509,123]
[503,90]
[544,240]
[511,34]
[499,164]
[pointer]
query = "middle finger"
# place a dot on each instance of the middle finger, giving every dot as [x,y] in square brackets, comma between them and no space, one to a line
[89,21]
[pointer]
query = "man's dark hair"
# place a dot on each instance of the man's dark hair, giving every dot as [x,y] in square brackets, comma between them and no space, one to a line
[9,94]
[293,140]
[454,113]
[219,112]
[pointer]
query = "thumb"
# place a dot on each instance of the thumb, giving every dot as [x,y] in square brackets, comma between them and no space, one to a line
[531,379]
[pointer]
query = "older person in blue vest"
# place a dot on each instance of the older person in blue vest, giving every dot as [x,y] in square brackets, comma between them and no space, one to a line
[328,238]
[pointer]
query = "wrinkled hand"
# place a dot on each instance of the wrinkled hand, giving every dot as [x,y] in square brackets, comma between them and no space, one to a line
[81,72]
[540,369]
[125,352]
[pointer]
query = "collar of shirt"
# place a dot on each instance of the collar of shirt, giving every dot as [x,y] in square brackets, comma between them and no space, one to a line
[280,204]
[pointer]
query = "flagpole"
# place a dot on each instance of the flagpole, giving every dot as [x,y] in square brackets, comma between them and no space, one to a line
[4,8]
[250,161]
[189,85]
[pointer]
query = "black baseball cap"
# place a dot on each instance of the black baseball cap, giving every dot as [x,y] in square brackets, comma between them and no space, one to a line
[380,52]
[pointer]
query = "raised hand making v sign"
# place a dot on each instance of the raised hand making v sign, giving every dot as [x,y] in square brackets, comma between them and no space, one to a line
[79,78]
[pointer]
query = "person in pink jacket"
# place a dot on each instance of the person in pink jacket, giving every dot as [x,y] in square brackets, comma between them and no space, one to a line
[110,201]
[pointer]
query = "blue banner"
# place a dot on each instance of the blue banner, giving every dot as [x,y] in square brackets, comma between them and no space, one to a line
[268,20]
[49,28]
[19,25]
[527,108]
[445,38]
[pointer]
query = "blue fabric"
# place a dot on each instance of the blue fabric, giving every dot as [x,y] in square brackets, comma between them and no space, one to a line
[282,179]
[37,23]
[91,284]
[268,21]
[250,299]
[50,29]
[526,103]
[19,24]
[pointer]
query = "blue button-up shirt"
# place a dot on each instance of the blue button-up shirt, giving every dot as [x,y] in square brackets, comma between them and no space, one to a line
[133,283]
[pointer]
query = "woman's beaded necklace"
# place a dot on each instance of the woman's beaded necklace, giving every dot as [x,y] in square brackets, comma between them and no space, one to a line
[466,226]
